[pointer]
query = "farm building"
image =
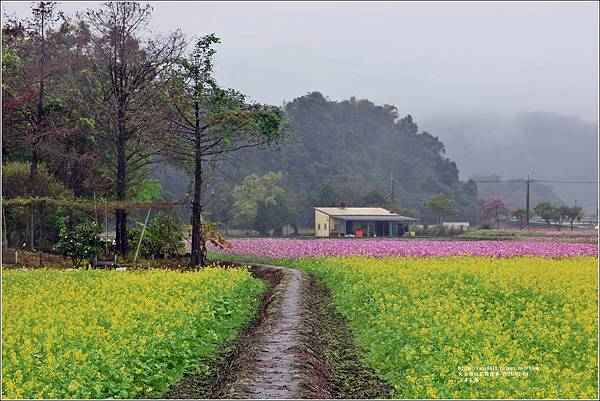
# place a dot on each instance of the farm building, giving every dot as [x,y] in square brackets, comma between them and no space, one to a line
[359,222]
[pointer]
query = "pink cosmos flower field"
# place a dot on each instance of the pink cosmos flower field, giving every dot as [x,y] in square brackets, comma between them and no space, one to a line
[301,248]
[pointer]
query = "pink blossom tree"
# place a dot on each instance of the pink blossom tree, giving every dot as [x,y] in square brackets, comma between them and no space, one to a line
[494,209]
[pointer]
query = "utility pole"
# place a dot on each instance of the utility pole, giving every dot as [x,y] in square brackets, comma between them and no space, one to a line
[392,190]
[527,202]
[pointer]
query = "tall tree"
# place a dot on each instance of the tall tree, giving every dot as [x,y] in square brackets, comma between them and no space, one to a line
[552,214]
[127,83]
[563,215]
[212,123]
[574,213]
[260,201]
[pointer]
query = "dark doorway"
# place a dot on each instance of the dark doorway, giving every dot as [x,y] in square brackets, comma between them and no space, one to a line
[381,228]
[349,227]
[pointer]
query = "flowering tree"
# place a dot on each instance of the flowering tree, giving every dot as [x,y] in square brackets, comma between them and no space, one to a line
[494,209]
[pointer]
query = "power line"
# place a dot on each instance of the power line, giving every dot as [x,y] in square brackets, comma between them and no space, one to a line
[567,182]
[534,180]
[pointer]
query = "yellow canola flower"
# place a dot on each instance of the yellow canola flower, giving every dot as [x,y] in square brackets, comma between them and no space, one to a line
[421,320]
[103,334]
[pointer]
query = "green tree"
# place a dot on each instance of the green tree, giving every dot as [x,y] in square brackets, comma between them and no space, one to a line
[146,191]
[212,122]
[521,216]
[256,191]
[563,215]
[16,182]
[409,213]
[374,198]
[271,216]
[329,195]
[441,206]
[296,208]
[574,213]
[551,213]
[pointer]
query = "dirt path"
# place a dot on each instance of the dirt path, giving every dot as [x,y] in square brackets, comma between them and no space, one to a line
[297,347]
[276,373]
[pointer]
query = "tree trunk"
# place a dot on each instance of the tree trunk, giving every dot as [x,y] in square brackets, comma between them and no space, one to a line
[40,105]
[33,169]
[121,214]
[198,251]
[198,254]
[277,230]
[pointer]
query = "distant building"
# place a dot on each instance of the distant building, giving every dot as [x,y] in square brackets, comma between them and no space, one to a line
[457,225]
[359,222]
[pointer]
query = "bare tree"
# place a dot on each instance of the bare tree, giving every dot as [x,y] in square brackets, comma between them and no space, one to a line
[211,123]
[128,85]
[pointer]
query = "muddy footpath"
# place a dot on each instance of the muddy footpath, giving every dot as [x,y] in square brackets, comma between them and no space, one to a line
[297,346]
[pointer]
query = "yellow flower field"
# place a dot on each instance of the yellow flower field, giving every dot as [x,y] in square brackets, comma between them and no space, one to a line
[99,334]
[472,327]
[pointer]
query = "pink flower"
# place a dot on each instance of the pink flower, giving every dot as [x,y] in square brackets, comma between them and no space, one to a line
[299,248]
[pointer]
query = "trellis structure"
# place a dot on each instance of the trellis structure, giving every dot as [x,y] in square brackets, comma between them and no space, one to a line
[38,209]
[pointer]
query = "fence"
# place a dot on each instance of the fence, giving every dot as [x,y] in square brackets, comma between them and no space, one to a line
[30,223]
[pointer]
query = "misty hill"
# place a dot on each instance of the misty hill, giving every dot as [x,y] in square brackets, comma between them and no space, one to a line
[345,152]
[514,193]
[544,145]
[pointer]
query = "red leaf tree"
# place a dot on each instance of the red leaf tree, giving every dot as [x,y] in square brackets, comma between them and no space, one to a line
[41,54]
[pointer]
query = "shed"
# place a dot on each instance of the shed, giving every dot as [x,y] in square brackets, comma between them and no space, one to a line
[359,222]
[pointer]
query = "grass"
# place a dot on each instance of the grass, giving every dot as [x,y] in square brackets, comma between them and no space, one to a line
[235,258]
[107,334]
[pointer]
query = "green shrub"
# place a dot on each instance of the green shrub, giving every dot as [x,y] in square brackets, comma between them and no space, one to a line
[162,237]
[80,243]
[485,225]
[16,182]
[418,229]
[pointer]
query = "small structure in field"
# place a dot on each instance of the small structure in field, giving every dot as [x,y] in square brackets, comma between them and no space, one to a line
[359,222]
[10,257]
[456,225]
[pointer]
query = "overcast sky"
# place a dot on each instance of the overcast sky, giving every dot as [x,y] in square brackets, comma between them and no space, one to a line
[427,58]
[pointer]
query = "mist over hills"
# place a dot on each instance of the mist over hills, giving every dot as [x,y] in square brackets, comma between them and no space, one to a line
[349,147]
[545,146]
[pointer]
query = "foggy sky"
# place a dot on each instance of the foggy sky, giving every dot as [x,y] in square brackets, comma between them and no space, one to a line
[468,72]
[430,59]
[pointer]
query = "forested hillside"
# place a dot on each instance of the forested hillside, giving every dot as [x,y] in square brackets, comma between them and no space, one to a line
[344,152]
